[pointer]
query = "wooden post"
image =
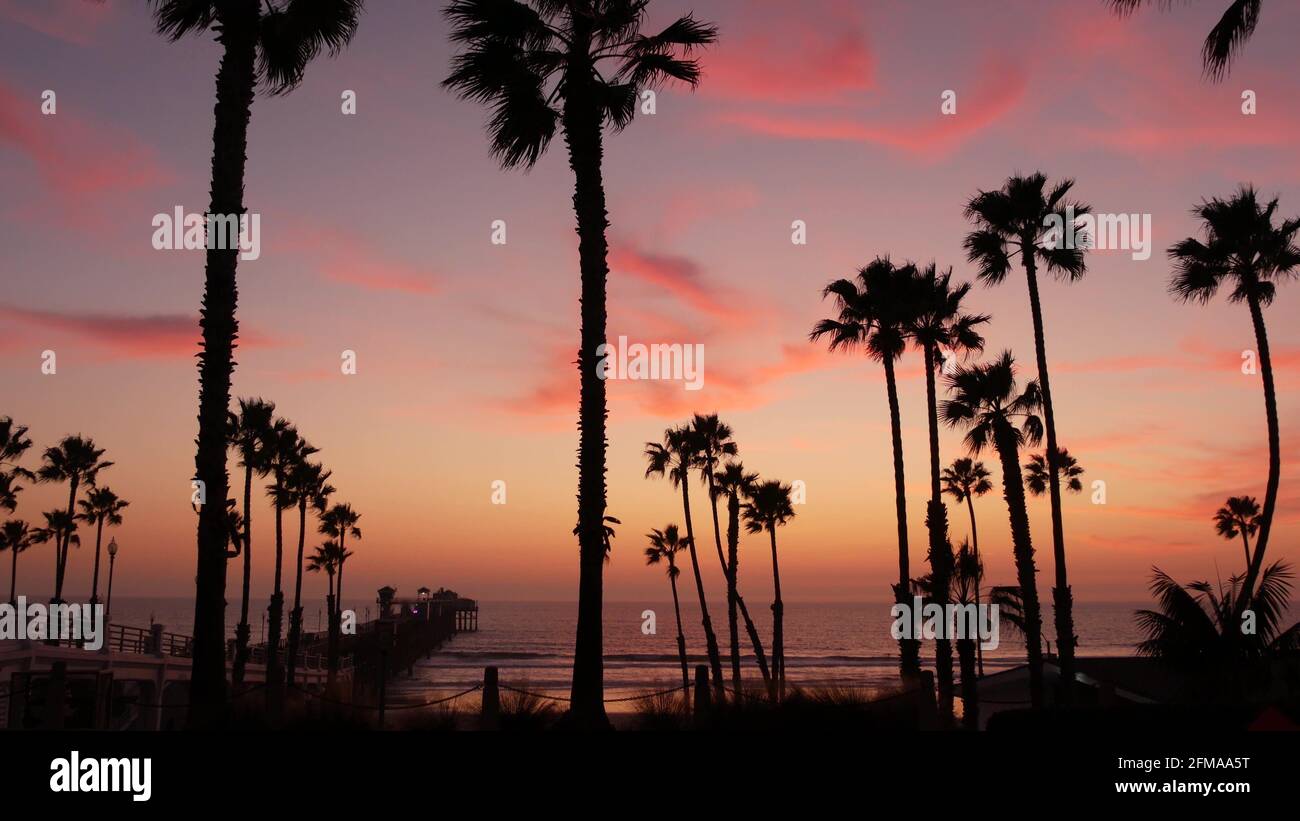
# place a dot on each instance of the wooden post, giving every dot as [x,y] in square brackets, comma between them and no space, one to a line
[490,715]
[703,694]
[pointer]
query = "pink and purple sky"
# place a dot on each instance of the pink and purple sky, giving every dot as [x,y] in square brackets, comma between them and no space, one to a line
[376,239]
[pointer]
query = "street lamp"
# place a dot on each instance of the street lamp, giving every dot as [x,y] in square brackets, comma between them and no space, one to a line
[112,559]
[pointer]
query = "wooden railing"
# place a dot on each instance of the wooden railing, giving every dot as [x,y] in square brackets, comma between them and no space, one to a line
[124,638]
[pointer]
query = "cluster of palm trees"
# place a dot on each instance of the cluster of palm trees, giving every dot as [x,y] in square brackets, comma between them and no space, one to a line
[706,445]
[75,460]
[270,447]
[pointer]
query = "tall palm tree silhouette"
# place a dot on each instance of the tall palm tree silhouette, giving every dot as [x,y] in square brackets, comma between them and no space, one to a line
[1225,40]
[984,401]
[873,311]
[75,460]
[768,508]
[325,558]
[674,459]
[60,528]
[968,573]
[101,506]
[1238,516]
[308,487]
[339,522]
[1023,219]
[963,480]
[940,327]
[716,444]
[577,66]
[664,546]
[1246,251]
[733,482]
[16,535]
[285,451]
[267,43]
[1067,469]
[249,433]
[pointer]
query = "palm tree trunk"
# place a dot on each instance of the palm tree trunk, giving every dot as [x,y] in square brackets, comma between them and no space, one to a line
[728,572]
[733,548]
[1274,457]
[13,577]
[1063,602]
[681,637]
[99,537]
[710,639]
[1013,491]
[909,650]
[274,665]
[235,82]
[61,552]
[936,522]
[975,548]
[295,616]
[581,126]
[778,618]
[970,706]
[1245,546]
[244,631]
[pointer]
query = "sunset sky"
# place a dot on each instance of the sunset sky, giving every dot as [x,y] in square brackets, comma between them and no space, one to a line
[376,238]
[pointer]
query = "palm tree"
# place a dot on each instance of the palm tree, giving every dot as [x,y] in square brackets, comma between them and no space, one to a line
[269,44]
[16,535]
[874,309]
[985,402]
[74,460]
[1239,515]
[664,546]
[285,450]
[248,432]
[308,486]
[1068,471]
[326,558]
[938,325]
[768,508]
[674,459]
[578,65]
[101,506]
[1244,249]
[963,480]
[733,482]
[1224,41]
[9,490]
[60,528]
[1196,626]
[968,573]
[339,522]
[1024,220]
[716,444]
[13,444]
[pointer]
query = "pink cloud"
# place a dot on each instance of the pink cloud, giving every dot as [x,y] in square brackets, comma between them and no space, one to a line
[72,21]
[145,336]
[679,276]
[351,259]
[999,85]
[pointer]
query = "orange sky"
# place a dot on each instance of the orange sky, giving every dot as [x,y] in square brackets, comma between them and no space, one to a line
[376,232]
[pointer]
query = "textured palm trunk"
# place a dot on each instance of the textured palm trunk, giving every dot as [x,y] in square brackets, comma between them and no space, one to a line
[1013,491]
[99,538]
[295,616]
[1062,600]
[728,572]
[681,635]
[244,631]
[936,522]
[235,81]
[275,612]
[582,123]
[710,638]
[1274,456]
[975,550]
[970,705]
[909,650]
[778,625]
[13,576]
[733,549]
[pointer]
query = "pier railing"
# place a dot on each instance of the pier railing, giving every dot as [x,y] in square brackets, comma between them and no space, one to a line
[124,638]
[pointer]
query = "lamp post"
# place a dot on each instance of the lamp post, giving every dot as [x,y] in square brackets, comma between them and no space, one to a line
[112,558]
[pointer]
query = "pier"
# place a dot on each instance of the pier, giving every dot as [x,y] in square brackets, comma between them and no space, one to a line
[139,678]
